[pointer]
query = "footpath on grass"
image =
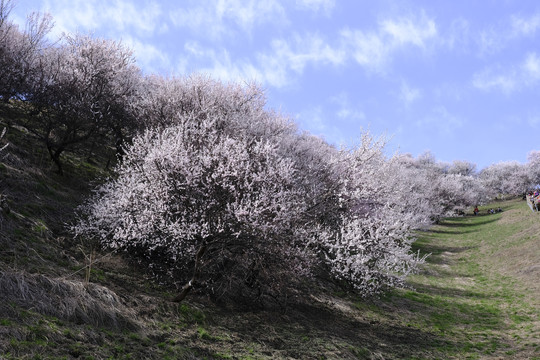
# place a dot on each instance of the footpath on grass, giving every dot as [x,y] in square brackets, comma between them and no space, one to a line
[479,291]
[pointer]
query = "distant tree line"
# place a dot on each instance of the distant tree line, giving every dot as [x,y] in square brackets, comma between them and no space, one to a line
[217,192]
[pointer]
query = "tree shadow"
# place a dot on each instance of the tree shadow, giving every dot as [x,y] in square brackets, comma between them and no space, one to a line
[319,330]
[435,250]
[451,232]
[452,291]
[462,222]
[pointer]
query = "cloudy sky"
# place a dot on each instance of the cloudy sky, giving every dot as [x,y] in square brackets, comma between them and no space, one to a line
[458,78]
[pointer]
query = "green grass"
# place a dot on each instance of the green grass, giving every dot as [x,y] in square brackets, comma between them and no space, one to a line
[203,334]
[466,294]
[190,314]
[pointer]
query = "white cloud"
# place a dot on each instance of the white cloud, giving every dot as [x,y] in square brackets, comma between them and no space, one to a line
[287,59]
[509,79]
[408,94]
[72,16]
[328,124]
[273,71]
[313,119]
[531,67]
[113,17]
[373,50]
[124,14]
[118,19]
[310,49]
[458,35]
[149,57]
[316,122]
[349,113]
[406,31]
[491,41]
[497,37]
[533,120]
[345,110]
[495,79]
[249,13]
[275,67]
[368,50]
[276,62]
[441,120]
[449,90]
[317,6]
[227,17]
[221,65]
[526,26]
[198,19]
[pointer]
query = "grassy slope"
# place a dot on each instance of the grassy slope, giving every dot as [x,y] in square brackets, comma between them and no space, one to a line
[480,290]
[478,296]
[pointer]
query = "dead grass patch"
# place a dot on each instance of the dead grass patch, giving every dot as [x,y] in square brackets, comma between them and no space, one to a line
[65,299]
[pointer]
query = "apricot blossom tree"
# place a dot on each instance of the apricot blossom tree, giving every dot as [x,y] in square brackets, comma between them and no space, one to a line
[20,50]
[82,89]
[223,194]
[202,197]
[506,178]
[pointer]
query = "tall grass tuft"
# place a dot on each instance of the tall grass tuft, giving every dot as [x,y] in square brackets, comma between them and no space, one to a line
[66,299]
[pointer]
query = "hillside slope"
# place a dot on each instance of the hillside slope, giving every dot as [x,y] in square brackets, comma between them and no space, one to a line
[477,297]
[480,287]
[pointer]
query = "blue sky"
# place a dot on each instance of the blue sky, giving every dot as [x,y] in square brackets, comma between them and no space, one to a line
[458,78]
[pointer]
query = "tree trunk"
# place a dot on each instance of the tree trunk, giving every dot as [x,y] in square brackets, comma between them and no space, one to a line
[119,144]
[55,156]
[196,273]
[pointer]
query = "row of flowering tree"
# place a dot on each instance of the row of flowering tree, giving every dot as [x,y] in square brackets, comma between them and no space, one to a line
[214,190]
[222,194]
